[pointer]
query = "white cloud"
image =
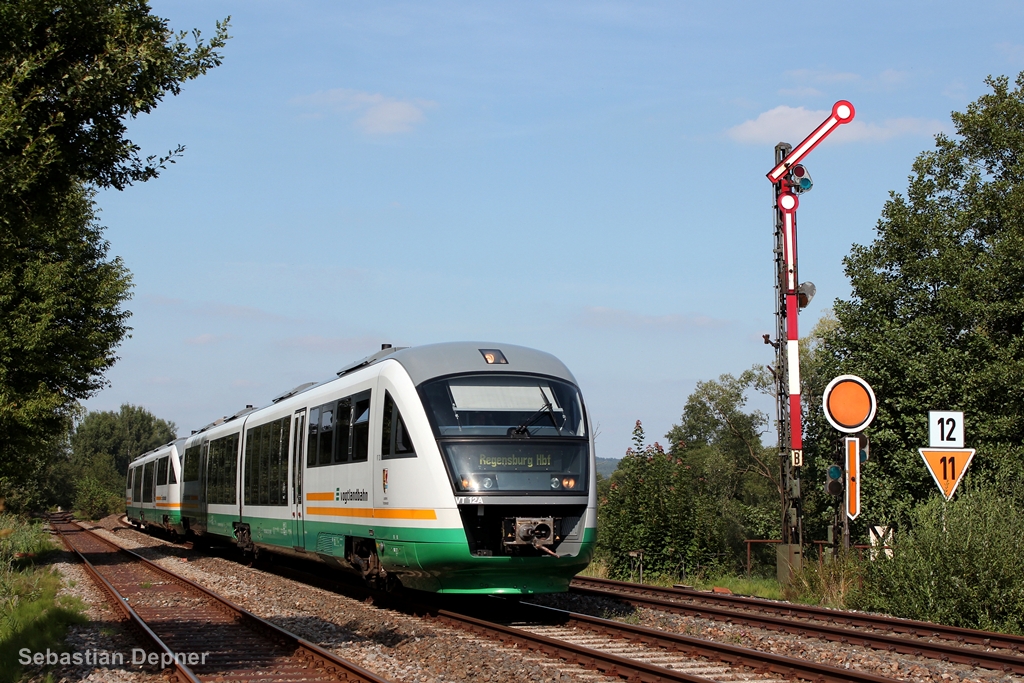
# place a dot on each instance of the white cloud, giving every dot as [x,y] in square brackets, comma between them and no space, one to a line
[822,76]
[163,381]
[956,90]
[377,114]
[236,312]
[793,124]
[603,317]
[1012,52]
[206,339]
[893,77]
[800,81]
[332,345]
[801,93]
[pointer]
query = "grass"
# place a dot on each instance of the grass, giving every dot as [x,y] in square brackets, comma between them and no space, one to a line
[758,587]
[32,615]
[741,585]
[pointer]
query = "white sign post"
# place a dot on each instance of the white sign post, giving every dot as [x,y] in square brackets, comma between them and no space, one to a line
[946,428]
[946,457]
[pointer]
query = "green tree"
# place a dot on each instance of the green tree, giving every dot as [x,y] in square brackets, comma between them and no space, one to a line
[71,75]
[123,436]
[644,510]
[689,509]
[713,418]
[936,316]
[60,302]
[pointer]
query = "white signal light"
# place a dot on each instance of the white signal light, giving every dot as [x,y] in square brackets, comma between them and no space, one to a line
[788,203]
[843,111]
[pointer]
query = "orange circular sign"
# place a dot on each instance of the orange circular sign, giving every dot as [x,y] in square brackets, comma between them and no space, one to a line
[849,403]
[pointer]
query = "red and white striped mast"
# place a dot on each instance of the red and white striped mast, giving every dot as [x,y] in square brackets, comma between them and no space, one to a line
[789,178]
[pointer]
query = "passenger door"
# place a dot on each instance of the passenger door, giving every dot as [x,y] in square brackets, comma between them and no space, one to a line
[298,464]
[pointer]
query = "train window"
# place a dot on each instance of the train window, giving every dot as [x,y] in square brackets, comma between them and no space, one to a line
[161,471]
[361,427]
[339,432]
[325,450]
[314,424]
[128,481]
[172,478]
[137,485]
[147,482]
[266,463]
[395,441]
[221,470]
[191,472]
[504,406]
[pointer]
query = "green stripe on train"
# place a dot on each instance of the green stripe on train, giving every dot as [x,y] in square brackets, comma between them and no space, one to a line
[435,560]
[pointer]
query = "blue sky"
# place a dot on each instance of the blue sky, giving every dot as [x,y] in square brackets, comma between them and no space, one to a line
[583,178]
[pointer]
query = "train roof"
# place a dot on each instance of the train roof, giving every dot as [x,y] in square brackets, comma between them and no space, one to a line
[430,361]
[450,358]
[160,450]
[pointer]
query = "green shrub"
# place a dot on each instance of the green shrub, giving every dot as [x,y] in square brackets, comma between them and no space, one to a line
[94,500]
[960,563]
[31,614]
[830,582]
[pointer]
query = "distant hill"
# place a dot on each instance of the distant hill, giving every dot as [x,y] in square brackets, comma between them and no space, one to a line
[605,466]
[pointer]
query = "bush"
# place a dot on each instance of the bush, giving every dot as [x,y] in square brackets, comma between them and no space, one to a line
[960,563]
[830,582]
[31,614]
[93,500]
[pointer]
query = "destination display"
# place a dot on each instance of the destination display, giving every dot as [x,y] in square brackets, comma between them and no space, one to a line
[505,467]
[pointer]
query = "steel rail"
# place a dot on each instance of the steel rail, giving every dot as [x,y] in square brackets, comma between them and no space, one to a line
[633,669]
[182,671]
[588,657]
[304,650]
[658,598]
[735,655]
[591,658]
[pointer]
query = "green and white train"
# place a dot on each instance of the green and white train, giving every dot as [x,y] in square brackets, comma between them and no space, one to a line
[453,468]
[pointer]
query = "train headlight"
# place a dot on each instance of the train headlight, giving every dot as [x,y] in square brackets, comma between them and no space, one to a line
[569,483]
[489,484]
[466,483]
[555,483]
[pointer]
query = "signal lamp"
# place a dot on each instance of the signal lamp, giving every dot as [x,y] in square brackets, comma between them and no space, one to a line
[788,203]
[834,480]
[799,178]
[804,293]
[569,483]
[865,447]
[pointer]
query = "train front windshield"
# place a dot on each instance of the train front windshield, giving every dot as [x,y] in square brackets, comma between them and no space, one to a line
[510,433]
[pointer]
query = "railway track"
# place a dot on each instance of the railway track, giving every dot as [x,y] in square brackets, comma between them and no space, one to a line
[834,625]
[643,654]
[605,646]
[609,647]
[197,635]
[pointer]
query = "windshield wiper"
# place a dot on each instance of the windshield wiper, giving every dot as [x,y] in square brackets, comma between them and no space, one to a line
[524,428]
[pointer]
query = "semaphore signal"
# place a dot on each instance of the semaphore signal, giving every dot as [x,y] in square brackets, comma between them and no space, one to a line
[789,178]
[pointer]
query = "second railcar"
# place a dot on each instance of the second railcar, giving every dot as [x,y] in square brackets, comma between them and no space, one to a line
[153,487]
